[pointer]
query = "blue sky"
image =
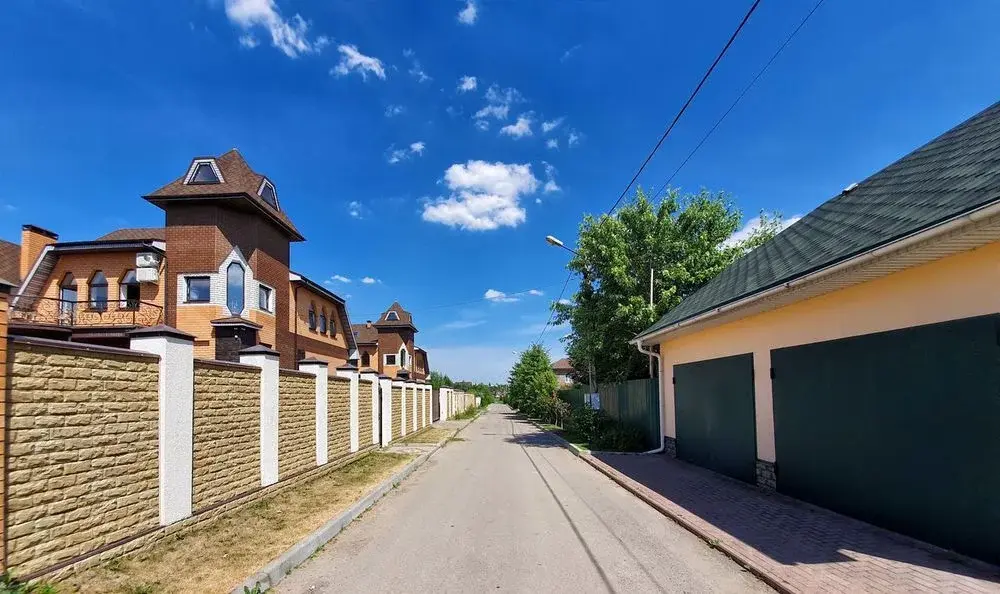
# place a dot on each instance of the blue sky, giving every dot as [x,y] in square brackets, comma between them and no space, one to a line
[398,169]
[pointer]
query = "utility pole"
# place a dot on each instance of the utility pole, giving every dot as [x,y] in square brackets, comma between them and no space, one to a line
[651,307]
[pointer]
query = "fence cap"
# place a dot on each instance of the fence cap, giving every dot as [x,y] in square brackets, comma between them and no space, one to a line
[258,350]
[347,367]
[310,361]
[161,330]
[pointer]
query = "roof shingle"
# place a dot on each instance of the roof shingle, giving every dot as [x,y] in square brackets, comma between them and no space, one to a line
[10,262]
[955,173]
[136,234]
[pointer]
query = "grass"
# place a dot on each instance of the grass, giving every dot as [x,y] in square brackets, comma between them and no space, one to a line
[578,440]
[432,435]
[472,412]
[221,555]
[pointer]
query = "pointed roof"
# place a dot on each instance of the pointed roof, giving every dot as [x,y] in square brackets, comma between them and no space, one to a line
[136,234]
[239,183]
[10,263]
[405,318]
[364,334]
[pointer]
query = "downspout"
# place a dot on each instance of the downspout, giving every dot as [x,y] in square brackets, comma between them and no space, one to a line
[659,395]
[295,314]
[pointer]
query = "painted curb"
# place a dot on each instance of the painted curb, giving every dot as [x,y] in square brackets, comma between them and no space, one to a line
[275,571]
[627,483]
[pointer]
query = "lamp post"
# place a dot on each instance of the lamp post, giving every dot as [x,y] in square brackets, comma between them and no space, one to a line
[556,242]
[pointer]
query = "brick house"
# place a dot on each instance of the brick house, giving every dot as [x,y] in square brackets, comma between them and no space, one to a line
[218,269]
[387,345]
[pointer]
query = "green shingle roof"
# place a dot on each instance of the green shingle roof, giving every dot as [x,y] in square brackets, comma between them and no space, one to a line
[957,172]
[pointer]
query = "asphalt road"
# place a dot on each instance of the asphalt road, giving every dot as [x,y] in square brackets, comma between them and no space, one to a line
[509,510]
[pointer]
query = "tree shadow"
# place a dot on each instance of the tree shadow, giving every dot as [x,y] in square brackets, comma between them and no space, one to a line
[786,530]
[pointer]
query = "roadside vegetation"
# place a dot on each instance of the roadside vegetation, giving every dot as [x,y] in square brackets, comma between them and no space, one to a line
[432,435]
[229,549]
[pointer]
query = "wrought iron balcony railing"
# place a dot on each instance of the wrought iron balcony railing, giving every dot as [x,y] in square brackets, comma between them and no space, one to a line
[110,313]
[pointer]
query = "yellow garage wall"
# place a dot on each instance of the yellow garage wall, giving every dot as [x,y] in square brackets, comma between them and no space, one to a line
[959,286]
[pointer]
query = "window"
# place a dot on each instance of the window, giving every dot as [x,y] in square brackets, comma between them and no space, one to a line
[199,289]
[402,357]
[390,359]
[98,288]
[67,294]
[333,325]
[356,333]
[234,288]
[264,299]
[322,322]
[392,317]
[366,359]
[128,291]
[204,174]
[268,194]
[312,316]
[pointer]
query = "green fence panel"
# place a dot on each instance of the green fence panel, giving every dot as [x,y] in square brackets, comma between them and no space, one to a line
[636,403]
[573,396]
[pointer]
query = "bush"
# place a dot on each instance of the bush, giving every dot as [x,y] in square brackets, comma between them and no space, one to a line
[602,432]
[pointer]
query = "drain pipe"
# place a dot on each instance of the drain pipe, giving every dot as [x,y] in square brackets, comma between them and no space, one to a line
[659,395]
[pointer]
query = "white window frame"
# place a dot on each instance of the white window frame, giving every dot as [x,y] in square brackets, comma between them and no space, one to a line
[409,358]
[186,278]
[260,192]
[394,318]
[215,168]
[268,307]
[395,361]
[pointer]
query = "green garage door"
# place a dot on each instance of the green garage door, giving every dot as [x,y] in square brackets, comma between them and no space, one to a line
[901,429]
[715,415]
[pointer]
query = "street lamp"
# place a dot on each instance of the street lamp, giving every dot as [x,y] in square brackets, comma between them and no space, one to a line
[556,242]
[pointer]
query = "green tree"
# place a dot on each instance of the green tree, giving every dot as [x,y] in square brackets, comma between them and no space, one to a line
[439,380]
[532,381]
[685,240]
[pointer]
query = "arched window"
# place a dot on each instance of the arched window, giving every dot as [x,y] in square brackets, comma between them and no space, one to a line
[234,288]
[312,316]
[402,357]
[366,359]
[67,294]
[322,321]
[333,322]
[98,288]
[128,291]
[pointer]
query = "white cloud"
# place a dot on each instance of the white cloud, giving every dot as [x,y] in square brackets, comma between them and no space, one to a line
[565,302]
[498,102]
[499,296]
[408,53]
[394,110]
[519,129]
[466,84]
[552,143]
[573,138]
[369,280]
[566,55]
[551,125]
[394,155]
[550,179]
[288,35]
[744,232]
[538,200]
[353,60]
[355,209]
[536,329]
[462,324]
[418,73]
[482,125]
[339,278]
[551,186]
[469,14]
[484,196]
[535,292]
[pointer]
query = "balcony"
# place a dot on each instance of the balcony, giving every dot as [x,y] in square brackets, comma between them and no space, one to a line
[75,315]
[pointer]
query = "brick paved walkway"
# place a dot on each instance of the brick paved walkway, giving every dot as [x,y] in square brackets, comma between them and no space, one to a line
[797,546]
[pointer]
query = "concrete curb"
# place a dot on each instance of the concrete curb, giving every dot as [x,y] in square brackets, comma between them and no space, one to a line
[636,489]
[275,571]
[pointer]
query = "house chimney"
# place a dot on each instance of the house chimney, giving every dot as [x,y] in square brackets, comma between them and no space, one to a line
[368,324]
[33,241]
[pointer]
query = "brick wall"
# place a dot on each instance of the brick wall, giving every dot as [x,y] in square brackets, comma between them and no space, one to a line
[114,265]
[296,422]
[397,411]
[339,417]
[226,432]
[364,413]
[82,451]
[3,413]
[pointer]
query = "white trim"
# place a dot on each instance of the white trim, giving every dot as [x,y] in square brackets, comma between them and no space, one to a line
[194,167]
[353,424]
[260,193]
[898,245]
[268,365]
[395,317]
[409,359]
[182,286]
[385,389]
[395,360]
[271,300]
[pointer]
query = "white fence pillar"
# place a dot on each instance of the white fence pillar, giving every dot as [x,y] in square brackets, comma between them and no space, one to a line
[385,391]
[267,360]
[351,373]
[411,387]
[320,369]
[369,391]
[176,412]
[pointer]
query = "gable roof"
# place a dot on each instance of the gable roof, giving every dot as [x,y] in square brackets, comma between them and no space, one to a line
[240,182]
[136,234]
[366,334]
[563,365]
[956,172]
[405,318]
[10,263]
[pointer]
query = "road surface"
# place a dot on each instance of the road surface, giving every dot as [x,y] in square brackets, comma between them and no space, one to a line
[509,510]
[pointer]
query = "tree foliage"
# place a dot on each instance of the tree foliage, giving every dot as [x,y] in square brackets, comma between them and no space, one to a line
[533,383]
[686,240]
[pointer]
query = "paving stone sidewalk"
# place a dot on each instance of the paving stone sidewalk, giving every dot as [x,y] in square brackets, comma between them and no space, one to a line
[796,546]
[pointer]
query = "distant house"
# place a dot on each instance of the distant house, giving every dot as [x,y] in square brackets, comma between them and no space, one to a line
[564,372]
[853,360]
[387,345]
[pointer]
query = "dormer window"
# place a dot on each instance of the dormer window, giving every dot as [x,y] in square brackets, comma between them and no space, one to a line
[267,192]
[204,171]
[392,317]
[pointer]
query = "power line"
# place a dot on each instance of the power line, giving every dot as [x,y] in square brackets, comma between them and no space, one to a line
[461,303]
[781,48]
[552,310]
[666,133]
[694,93]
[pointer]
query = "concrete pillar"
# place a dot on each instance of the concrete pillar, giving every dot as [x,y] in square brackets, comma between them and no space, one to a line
[267,360]
[176,416]
[369,391]
[385,391]
[412,388]
[320,369]
[351,373]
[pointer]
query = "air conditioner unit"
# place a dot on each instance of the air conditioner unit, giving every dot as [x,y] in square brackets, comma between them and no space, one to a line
[147,275]
[147,260]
